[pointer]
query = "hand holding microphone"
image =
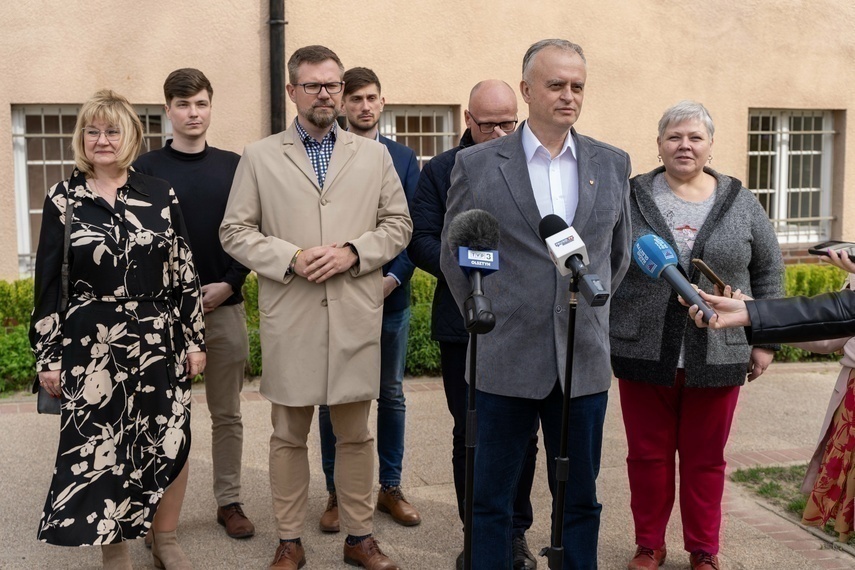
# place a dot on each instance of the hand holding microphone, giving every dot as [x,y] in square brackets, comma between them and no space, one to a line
[658,259]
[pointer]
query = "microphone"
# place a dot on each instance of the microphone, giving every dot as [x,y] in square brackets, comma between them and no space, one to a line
[658,259]
[570,255]
[475,236]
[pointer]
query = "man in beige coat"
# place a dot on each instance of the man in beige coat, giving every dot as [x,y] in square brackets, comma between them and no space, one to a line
[316,212]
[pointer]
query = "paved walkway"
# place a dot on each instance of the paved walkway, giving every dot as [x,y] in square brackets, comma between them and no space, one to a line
[777,423]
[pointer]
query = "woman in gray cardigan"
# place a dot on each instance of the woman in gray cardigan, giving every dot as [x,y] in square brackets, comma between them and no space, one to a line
[679,384]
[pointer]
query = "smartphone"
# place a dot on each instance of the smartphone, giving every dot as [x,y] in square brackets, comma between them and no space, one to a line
[705,269]
[838,246]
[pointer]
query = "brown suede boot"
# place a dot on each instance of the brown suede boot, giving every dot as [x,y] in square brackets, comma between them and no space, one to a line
[167,553]
[116,556]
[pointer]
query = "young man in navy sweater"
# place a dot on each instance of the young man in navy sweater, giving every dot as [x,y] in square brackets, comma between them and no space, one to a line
[201,176]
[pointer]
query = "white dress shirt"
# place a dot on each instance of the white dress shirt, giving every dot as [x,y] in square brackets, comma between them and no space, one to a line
[555,181]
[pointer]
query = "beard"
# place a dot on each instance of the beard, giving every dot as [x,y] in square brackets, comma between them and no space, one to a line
[321,117]
[362,126]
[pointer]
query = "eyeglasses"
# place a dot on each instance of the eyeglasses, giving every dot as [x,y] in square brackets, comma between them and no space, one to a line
[93,135]
[315,88]
[487,128]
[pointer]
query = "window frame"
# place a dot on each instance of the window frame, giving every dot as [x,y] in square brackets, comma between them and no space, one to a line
[788,229]
[444,139]
[21,163]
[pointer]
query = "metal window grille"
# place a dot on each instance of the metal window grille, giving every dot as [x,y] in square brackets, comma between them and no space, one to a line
[789,170]
[427,129]
[41,143]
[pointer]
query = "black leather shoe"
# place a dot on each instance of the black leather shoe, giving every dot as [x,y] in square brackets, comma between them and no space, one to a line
[523,558]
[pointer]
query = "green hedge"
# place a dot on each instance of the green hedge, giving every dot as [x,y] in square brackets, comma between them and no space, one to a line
[16,301]
[809,280]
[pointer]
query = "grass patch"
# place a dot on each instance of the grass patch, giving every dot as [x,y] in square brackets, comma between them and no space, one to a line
[780,486]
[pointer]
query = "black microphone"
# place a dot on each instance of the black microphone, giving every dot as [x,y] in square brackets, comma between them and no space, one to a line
[474,235]
[570,255]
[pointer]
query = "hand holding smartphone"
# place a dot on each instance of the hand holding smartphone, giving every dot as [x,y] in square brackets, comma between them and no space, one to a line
[838,246]
[710,274]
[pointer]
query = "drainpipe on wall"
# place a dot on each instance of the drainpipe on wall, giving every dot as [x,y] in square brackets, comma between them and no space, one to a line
[277,65]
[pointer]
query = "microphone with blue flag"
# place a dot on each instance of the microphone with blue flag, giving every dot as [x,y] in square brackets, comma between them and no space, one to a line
[657,258]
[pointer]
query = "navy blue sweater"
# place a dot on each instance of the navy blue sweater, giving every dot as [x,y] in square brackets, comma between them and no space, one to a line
[202,182]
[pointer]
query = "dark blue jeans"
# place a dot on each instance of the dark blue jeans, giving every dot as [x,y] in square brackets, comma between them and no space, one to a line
[453,360]
[391,405]
[504,428]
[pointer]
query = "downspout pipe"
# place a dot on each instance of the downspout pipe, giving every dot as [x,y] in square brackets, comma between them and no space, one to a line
[277,65]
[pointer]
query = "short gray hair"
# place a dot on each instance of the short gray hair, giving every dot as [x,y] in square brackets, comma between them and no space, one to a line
[686,111]
[536,47]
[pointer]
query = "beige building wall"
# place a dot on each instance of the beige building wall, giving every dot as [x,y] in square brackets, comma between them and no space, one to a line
[732,55]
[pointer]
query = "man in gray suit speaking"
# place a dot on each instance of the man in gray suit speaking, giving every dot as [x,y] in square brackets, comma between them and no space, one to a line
[545,167]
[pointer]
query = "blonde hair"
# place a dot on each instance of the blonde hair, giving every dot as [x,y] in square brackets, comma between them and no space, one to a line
[108,106]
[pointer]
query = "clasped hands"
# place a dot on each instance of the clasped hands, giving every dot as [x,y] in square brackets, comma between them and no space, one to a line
[317,264]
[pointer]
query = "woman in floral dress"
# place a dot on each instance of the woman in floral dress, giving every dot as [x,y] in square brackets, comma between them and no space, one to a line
[122,354]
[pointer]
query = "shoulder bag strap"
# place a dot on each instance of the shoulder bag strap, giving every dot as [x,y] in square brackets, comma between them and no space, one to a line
[69,214]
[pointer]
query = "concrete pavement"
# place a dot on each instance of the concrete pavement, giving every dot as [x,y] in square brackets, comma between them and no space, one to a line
[777,422]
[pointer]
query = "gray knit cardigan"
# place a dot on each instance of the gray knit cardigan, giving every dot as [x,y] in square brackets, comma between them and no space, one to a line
[648,325]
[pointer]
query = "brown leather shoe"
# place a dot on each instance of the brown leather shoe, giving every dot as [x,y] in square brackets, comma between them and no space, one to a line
[647,558]
[701,560]
[367,553]
[329,520]
[236,523]
[392,501]
[289,556]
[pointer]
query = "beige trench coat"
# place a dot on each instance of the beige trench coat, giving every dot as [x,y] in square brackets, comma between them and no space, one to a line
[320,342]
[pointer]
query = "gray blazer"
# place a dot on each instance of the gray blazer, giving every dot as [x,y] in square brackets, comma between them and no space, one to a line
[526,352]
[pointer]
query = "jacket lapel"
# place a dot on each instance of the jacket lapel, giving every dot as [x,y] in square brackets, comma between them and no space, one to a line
[343,151]
[294,150]
[515,172]
[588,172]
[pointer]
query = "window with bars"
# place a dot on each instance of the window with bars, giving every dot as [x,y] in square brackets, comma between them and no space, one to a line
[427,129]
[41,142]
[790,171]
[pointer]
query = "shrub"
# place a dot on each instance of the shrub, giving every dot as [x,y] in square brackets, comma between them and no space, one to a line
[422,286]
[17,365]
[16,302]
[422,351]
[250,301]
[809,280]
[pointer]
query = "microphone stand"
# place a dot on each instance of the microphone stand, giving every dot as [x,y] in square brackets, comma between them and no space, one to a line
[478,319]
[593,292]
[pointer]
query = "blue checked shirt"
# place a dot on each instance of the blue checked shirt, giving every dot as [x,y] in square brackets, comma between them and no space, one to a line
[319,152]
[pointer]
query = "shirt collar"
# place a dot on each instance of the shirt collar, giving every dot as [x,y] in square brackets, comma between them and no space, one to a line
[306,137]
[531,144]
[136,181]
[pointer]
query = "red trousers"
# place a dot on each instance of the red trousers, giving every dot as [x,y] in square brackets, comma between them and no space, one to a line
[660,422]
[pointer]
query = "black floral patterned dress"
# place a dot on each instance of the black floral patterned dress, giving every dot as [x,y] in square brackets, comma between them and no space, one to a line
[134,313]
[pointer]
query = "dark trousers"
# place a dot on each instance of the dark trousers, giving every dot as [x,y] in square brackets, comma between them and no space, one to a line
[503,431]
[454,365]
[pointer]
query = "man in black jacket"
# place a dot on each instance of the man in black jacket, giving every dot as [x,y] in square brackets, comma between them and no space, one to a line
[491,113]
